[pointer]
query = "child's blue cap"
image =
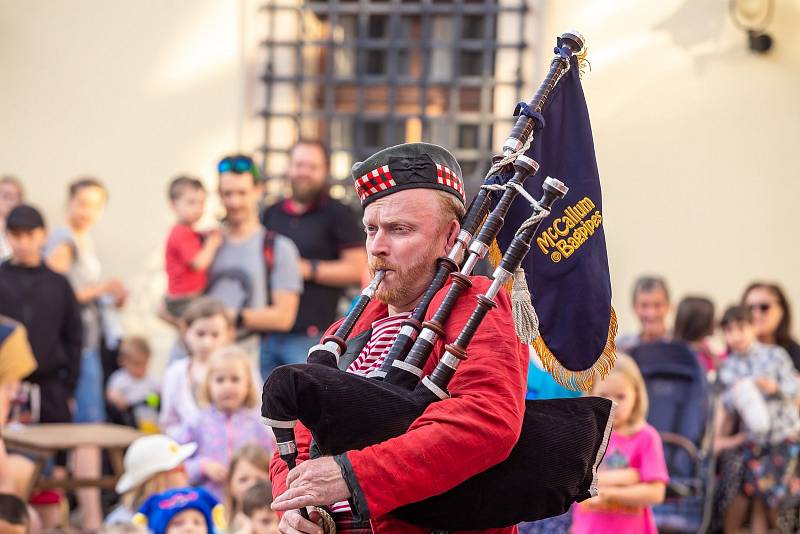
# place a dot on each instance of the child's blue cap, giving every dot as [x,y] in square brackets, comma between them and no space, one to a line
[158,510]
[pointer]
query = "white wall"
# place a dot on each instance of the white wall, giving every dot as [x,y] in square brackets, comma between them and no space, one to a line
[133,93]
[696,136]
[697,141]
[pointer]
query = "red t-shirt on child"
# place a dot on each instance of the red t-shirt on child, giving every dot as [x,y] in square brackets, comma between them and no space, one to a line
[183,245]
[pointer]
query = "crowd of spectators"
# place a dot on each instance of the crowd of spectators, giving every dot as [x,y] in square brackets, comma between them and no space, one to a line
[749,364]
[244,297]
[257,292]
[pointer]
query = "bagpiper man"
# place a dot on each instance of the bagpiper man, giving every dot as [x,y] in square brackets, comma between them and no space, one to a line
[413,199]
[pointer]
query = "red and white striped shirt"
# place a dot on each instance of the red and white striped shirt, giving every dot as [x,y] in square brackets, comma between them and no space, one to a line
[384,332]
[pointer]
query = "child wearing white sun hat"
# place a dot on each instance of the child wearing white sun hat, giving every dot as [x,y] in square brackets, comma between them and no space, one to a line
[153,464]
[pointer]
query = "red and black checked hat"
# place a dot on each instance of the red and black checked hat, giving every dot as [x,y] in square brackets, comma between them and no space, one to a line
[408,166]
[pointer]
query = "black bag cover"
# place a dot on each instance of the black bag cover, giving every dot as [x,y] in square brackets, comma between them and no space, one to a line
[552,465]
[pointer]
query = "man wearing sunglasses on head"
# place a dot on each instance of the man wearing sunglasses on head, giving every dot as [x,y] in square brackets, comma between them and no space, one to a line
[255,272]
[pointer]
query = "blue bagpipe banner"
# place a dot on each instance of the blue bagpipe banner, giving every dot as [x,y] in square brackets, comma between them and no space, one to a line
[567,266]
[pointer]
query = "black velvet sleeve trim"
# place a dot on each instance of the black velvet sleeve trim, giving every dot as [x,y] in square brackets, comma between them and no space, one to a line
[358,503]
[313,450]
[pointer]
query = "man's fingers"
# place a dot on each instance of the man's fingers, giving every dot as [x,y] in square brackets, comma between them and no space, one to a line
[293,475]
[285,528]
[295,503]
[294,498]
[294,523]
[290,493]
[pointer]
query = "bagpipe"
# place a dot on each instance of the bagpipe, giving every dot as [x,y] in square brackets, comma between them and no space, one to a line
[553,464]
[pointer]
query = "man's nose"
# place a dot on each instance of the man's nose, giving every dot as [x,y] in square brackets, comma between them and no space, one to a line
[379,244]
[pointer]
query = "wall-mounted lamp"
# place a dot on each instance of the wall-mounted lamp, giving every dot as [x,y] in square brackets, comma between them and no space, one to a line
[753,16]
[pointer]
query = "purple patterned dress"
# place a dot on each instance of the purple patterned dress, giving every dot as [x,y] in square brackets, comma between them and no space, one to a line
[218,435]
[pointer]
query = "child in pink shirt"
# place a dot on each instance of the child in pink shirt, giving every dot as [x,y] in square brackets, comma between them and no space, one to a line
[633,475]
[189,253]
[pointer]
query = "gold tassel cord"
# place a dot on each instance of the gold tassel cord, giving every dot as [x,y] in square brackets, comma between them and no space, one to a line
[526,322]
[584,65]
[580,380]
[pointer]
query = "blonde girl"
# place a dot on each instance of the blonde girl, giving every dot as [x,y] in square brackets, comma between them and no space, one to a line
[228,421]
[633,474]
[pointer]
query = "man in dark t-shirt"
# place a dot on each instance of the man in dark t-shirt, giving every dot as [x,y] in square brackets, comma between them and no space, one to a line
[330,239]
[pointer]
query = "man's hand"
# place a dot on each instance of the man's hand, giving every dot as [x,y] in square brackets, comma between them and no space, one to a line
[293,523]
[313,483]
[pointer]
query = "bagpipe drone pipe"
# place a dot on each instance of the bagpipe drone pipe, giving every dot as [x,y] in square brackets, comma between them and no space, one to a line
[561,442]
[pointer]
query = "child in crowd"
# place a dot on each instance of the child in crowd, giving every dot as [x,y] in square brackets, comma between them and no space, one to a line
[180,511]
[229,421]
[14,517]
[694,324]
[760,390]
[51,314]
[633,474]
[249,465]
[206,326]
[189,253]
[153,464]
[256,506]
[129,385]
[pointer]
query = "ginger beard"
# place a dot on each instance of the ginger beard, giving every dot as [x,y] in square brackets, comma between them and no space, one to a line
[403,288]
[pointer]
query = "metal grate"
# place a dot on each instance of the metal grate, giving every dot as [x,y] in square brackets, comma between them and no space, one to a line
[364,74]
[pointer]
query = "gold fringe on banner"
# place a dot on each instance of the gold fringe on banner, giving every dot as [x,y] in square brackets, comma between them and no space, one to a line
[495,256]
[580,380]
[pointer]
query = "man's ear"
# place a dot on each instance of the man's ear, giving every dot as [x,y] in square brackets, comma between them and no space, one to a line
[453,229]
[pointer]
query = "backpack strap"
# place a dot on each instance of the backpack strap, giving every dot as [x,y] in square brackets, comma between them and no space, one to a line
[269,260]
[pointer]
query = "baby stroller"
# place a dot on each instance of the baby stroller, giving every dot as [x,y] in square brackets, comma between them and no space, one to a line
[682,411]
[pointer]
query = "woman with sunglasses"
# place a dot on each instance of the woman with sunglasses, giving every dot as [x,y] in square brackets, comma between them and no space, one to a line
[772,317]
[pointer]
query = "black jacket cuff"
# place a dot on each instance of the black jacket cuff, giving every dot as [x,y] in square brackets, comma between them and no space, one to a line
[358,503]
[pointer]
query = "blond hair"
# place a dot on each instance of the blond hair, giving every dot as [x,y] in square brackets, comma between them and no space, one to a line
[626,367]
[251,453]
[225,356]
[134,498]
[450,206]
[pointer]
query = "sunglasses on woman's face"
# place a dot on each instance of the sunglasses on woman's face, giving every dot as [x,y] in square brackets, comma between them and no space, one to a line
[238,164]
[763,307]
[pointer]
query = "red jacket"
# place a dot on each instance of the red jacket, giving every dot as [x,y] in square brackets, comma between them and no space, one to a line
[453,439]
